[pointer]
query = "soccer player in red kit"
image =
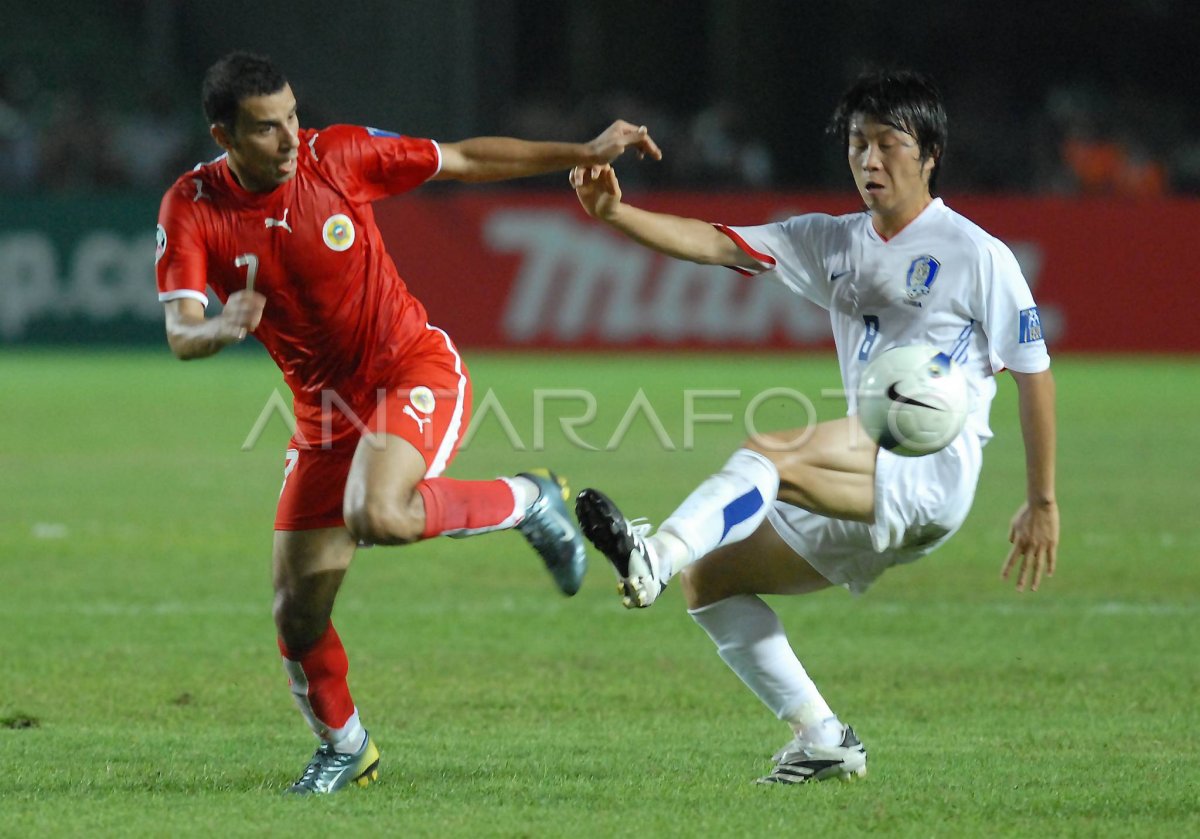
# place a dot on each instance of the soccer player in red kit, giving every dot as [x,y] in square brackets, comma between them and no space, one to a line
[281,228]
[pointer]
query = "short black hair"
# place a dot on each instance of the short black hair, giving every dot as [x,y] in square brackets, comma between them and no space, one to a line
[905,100]
[234,77]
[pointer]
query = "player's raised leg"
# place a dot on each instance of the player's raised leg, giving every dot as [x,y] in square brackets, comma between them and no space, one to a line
[830,471]
[394,496]
[308,569]
[725,508]
[532,502]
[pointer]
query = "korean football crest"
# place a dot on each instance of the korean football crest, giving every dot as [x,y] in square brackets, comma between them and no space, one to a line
[919,279]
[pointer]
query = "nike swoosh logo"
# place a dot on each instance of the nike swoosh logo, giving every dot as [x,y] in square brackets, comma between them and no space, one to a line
[837,276]
[896,396]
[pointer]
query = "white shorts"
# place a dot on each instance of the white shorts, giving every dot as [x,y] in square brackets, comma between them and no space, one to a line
[920,502]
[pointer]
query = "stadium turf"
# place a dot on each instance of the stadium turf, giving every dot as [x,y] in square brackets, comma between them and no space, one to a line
[142,693]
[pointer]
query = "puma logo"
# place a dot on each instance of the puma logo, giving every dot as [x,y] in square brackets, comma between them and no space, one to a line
[408,409]
[275,222]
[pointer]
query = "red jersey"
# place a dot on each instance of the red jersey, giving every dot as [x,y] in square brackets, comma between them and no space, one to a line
[338,316]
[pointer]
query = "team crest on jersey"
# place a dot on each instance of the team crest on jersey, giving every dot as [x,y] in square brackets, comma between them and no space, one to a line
[160,243]
[919,279]
[422,399]
[338,232]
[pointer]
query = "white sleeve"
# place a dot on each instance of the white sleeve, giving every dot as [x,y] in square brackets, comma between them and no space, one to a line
[1010,315]
[792,250]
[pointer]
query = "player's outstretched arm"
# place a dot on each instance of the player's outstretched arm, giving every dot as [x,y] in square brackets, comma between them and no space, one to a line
[501,158]
[191,335]
[1034,530]
[599,192]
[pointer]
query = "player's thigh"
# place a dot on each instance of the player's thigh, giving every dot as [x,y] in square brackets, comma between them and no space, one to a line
[828,468]
[383,474]
[760,564]
[415,431]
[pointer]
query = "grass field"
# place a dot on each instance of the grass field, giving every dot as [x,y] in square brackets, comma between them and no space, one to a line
[143,694]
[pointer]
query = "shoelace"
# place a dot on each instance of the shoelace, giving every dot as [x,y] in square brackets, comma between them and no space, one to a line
[310,772]
[317,764]
[640,527]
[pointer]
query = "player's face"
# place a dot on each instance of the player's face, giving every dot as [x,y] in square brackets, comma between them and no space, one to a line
[888,170]
[265,141]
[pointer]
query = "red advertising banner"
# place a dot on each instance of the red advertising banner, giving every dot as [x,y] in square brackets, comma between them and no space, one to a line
[518,270]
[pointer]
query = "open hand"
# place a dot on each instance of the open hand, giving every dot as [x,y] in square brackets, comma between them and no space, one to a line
[1034,537]
[597,189]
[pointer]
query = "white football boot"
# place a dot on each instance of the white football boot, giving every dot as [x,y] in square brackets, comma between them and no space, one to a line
[799,762]
[640,573]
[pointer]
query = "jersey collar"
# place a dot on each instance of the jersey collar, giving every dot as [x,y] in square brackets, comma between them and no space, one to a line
[927,210]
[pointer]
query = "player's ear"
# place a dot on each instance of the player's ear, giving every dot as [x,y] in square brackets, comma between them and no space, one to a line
[221,136]
[930,163]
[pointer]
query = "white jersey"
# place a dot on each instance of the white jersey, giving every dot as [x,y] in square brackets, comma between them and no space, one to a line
[942,280]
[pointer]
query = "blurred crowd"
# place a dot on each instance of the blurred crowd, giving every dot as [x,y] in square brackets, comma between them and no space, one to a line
[714,147]
[1080,141]
[1125,143]
[67,140]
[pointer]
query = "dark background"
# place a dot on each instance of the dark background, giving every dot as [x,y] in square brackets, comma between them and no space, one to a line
[100,96]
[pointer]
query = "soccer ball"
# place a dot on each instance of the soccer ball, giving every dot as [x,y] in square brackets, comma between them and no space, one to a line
[912,400]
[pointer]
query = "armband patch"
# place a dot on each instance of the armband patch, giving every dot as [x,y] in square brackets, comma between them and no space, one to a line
[1031,326]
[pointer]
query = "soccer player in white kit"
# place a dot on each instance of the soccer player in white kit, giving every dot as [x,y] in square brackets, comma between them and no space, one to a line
[797,511]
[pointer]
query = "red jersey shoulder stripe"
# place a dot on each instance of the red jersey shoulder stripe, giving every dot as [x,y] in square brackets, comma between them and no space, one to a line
[765,259]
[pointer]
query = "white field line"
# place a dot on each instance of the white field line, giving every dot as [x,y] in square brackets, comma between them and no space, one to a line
[549,603]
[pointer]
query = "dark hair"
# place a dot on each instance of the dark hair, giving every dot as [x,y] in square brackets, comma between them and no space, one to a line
[903,99]
[235,77]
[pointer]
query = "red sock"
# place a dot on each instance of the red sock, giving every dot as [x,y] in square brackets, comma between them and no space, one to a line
[461,508]
[318,681]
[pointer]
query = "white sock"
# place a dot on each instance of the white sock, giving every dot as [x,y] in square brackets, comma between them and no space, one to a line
[349,738]
[726,508]
[827,732]
[671,552]
[750,639]
[525,491]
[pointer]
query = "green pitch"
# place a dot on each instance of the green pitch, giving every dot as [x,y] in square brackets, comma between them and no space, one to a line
[142,693]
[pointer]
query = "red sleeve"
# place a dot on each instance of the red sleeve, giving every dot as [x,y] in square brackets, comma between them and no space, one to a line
[180,261]
[370,164]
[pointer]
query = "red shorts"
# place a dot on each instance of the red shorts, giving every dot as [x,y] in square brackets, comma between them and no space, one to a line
[429,406]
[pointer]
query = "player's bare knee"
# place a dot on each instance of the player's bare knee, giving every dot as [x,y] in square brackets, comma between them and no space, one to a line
[383,522]
[299,621]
